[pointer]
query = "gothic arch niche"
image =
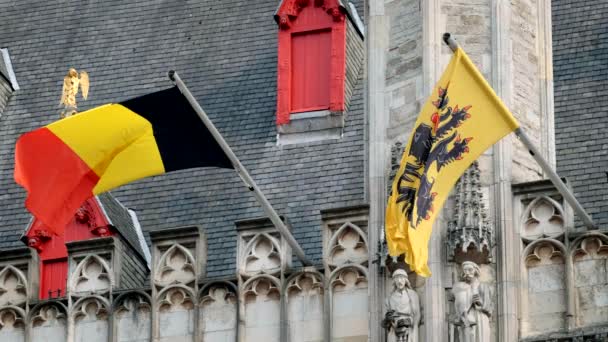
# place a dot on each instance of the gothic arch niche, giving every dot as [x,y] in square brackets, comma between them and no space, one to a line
[590,265]
[218,312]
[90,317]
[347,245]
[12,324]
[176,314]
[176,266]
[261,298]
[132,317]
[304,302]
[262,255]
[544,303]
[13,287]
[349,303]
[92,275]
[48,322]
[543,218]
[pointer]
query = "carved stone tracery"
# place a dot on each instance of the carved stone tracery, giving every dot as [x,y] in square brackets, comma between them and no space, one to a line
[13,287]
[262,255]
[91,275]
[543,218]
[91,309]
[176,266]
[49,315]
[11,319]
[347,245]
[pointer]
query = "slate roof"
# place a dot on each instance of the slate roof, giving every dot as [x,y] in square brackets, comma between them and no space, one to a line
[121,220]
[225,51]
[580,53]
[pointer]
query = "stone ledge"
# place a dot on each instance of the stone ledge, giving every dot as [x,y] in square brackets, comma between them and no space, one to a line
[258,223]
[174,233]
[595,334]
[311,126]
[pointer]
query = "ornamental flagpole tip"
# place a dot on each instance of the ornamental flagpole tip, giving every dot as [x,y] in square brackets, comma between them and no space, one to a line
[171,75]
[447,38]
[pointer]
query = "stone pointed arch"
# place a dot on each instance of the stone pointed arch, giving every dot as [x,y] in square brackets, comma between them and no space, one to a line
[547,259]
[132,315]
[13,286]
[177,265]
[176,312]
[48,318]
[543,218]
[90,317]
[92,275]
[12,324]
[262,255]
[304,303]
[589,258]
[261,303]
[348,244]
[219,311]
[348,303]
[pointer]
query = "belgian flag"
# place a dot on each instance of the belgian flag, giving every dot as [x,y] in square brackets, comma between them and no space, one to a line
[68,161]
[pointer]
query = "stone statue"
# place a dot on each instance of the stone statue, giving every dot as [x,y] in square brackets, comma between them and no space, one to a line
[473,307]
[402,310]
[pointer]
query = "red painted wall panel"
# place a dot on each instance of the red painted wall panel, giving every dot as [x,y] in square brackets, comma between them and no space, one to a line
[311,71]
[53,278]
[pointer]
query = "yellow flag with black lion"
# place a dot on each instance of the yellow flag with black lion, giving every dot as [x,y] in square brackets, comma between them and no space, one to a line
[462,118]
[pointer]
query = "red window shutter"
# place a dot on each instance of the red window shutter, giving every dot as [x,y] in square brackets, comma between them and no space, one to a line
[53,278]
[311,70]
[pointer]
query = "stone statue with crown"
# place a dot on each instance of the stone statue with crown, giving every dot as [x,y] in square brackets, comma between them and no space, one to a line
[403,314]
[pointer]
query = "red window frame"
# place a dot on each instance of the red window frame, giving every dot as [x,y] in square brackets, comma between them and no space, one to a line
[300,17]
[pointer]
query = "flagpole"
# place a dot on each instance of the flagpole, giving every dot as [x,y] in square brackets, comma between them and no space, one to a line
[553,176]
[240,169]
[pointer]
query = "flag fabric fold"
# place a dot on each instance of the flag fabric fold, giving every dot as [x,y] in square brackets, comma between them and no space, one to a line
[70,160]
[462,118]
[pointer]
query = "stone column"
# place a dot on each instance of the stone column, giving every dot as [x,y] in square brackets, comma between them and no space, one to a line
[376,40]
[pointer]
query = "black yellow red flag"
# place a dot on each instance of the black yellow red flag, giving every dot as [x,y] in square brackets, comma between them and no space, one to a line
[462,118]
[66,162]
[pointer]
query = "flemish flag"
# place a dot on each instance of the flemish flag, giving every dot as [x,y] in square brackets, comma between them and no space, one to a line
[462,118]
[68,161]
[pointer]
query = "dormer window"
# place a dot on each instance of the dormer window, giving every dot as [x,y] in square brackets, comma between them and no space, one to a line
[320,53]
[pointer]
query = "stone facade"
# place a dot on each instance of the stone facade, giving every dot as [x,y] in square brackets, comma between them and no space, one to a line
[219,272]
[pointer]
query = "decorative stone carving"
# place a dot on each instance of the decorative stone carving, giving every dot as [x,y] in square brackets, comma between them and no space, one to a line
[49,323]
[472,307]
[592,247]
[544,253]
[90,309]
[543,218]
[403,313]
[13,287]
[176,314]
[12,325]
[347,245]
[470,235]
[349,312]
[218,312]
[132,315]
[262,304]
[262,255]
[259,289]
[91,275]
[305,307]
[90,315]
[176,266]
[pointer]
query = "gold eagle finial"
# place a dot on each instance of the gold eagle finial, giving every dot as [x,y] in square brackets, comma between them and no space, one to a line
[71,83]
